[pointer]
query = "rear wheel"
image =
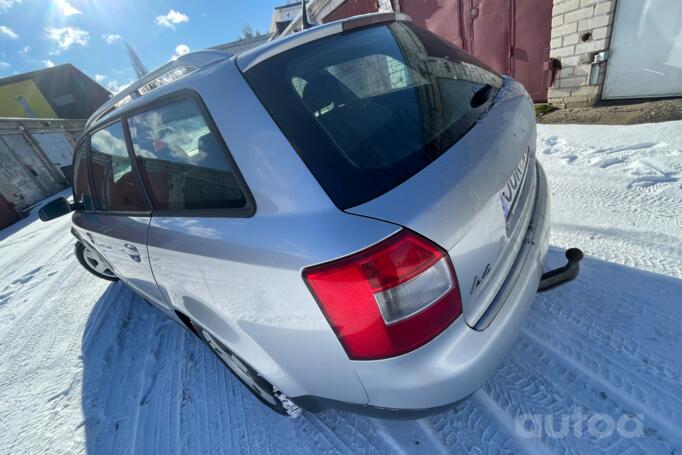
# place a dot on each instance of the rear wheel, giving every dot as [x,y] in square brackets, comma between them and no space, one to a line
[93,263]
[257,385]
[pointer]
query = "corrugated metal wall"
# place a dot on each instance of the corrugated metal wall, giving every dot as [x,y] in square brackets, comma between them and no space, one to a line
[35,160]
[352,8]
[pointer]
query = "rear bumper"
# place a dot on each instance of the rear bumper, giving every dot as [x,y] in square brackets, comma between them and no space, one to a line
[461,359]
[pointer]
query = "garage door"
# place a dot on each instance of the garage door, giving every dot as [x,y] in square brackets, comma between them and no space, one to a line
[58,150]
[510,36]
[646,50]
[352,8]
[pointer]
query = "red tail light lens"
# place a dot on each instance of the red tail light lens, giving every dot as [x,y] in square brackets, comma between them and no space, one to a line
[388,299]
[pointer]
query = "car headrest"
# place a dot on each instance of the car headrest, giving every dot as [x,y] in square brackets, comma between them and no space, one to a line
[211,153]
[323,90]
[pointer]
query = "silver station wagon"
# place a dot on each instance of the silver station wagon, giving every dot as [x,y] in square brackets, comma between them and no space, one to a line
[351,217]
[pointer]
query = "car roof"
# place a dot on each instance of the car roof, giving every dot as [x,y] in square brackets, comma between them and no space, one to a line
[194,61]
[253,57]
[190,62]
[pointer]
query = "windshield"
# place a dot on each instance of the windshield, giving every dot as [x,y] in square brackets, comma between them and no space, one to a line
[369,109]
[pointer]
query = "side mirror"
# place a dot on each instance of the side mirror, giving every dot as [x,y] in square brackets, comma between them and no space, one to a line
[54,209]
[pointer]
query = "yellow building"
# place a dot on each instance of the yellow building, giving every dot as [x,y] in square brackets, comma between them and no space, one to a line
[59,92]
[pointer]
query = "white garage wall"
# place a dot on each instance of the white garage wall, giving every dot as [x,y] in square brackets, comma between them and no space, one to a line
[646,50]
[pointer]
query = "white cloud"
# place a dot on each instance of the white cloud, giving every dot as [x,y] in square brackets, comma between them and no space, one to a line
[66,37]
[180,49]
[7,4]
[100,77]
[171,19]
[48,63]
[66,8]
[8,32]
[115,87]
[25,50]
[4,65]
[111,38]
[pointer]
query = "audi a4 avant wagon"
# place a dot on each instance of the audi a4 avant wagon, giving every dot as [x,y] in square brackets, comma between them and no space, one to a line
[350,217]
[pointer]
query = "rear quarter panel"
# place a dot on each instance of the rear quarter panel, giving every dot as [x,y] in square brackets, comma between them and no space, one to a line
[241,277]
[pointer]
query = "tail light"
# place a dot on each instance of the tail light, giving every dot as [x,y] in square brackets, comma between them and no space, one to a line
[388,299]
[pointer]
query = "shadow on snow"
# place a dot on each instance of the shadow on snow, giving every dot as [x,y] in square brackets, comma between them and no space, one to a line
[150,386]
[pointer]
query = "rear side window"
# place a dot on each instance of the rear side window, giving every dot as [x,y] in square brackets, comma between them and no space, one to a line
[81,188]
[113,179]
[184,164]
[369,109]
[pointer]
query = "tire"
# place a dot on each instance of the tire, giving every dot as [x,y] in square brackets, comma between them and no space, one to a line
[254,382]
[92,262]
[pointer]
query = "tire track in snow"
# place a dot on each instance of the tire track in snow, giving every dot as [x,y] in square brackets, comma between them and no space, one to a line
[666,378]
[641,397]
[658,360]
[472,428]
[564,380]
[506,421]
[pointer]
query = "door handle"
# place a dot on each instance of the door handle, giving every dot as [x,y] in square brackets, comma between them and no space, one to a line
[131,248]
[90,237]
[132,251]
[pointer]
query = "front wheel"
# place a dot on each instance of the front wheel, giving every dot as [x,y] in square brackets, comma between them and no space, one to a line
[93,263]
[257,384]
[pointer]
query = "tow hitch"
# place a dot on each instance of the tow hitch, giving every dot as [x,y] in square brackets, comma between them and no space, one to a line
[562,275]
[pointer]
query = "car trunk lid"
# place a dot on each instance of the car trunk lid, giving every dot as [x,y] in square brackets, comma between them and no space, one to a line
[474,200]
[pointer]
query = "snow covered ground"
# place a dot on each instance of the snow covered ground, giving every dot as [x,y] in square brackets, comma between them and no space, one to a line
[87,366]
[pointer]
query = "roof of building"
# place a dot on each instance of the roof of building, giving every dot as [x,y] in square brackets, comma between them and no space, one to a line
[45,72]
[242,44]
[69,92]
[288,5]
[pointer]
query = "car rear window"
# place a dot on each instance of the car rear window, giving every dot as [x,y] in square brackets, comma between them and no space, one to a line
[367,110]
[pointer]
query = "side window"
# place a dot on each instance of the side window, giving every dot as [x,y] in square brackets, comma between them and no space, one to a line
[81,188]
[113,180]
[183,164]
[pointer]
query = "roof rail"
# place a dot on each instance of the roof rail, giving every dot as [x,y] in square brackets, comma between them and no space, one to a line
[187,64]
[263,52]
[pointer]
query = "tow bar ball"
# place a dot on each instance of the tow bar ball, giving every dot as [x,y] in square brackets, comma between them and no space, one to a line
[562,275]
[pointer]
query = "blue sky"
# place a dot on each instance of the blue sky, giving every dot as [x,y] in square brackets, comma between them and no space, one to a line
[90,33]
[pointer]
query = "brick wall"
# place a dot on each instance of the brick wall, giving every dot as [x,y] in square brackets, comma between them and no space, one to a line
[580,29]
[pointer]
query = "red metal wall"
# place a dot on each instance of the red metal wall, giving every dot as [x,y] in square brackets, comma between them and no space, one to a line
[530,52]
[511,36]
[352,8]
[440,16]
